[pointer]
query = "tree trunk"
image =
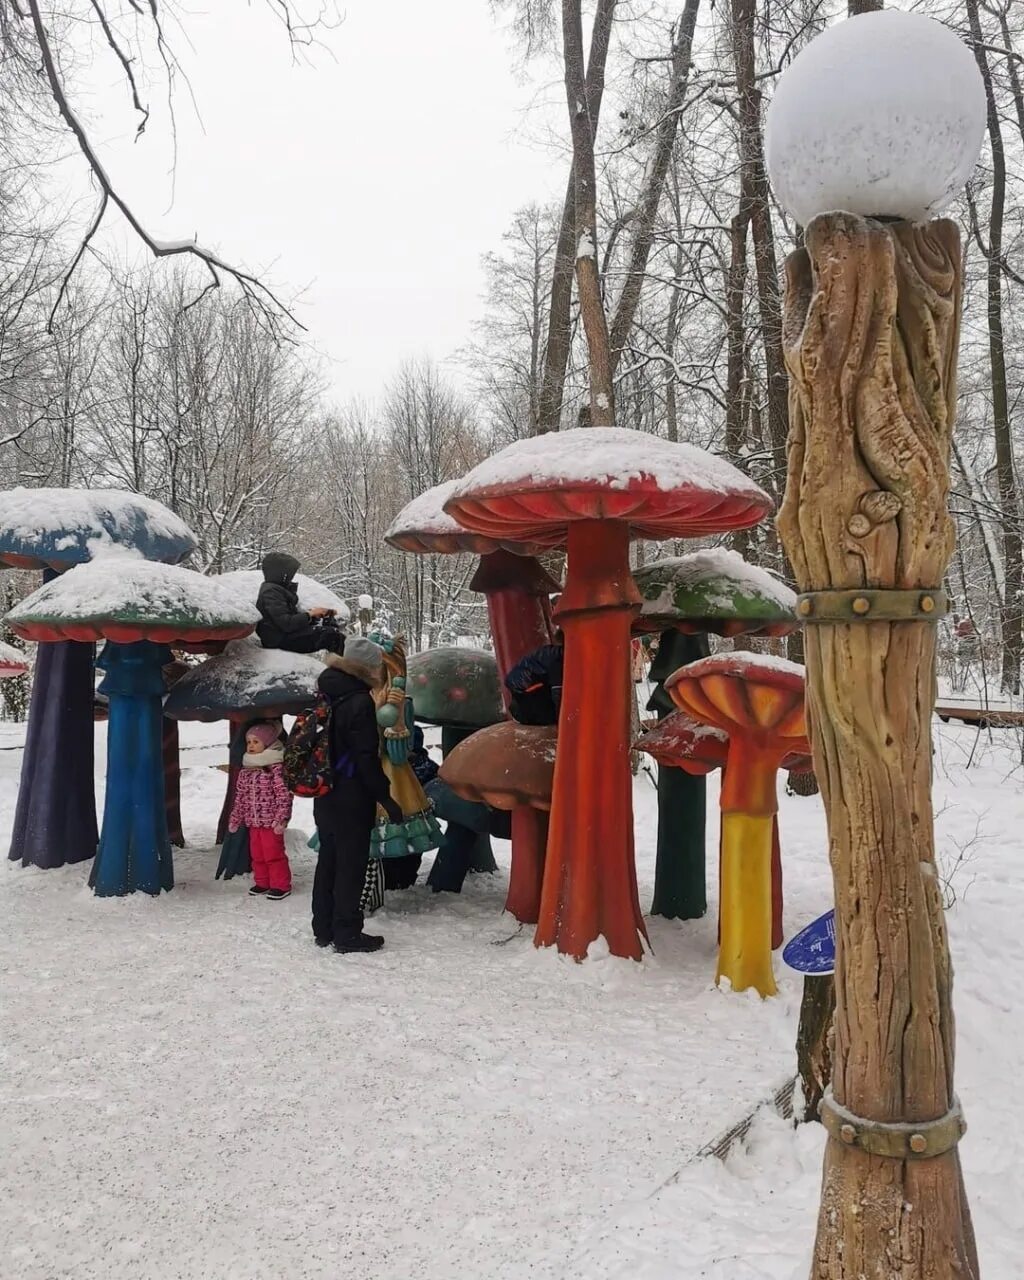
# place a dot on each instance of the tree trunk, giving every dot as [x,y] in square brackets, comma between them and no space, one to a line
[814,1040]
[755,181]
[650,201]
[588,275]
[559,339]
[872,327]
[1011,614]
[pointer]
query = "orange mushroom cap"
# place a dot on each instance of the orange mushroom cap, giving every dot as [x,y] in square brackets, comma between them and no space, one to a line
[506,766]
[745,694]
[536,488]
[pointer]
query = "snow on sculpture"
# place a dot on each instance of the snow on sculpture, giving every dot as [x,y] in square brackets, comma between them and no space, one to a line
[592,490]
[881,115]
[52,530]
[139,608]
[13,662]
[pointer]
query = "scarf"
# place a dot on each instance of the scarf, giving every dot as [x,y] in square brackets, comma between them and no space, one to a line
[263,759]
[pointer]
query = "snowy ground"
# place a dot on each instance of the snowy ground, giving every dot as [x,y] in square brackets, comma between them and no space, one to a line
[190,1089]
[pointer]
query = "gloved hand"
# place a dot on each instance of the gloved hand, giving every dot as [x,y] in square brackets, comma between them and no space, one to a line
[393,811]
[280,828]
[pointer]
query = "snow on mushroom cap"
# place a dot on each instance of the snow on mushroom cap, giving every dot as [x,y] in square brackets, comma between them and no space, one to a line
[713,584]
[13,662]
[534,488]
[312,594]
[424,526]
[124,597]
[244,678]
[58,527]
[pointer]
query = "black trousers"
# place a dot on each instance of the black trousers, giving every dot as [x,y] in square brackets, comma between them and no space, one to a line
[344,824]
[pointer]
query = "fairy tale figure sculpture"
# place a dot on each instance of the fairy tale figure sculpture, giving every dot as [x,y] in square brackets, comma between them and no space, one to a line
[400,846]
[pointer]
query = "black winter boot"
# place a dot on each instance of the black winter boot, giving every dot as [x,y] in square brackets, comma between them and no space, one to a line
[361,942]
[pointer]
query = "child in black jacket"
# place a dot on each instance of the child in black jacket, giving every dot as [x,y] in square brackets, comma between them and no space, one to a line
[283,625]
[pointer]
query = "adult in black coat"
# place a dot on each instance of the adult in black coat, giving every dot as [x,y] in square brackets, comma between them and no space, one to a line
[282,624]
[346,814]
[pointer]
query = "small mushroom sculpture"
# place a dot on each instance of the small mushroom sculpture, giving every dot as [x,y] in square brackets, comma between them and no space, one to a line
[592,490]
[458,690]
[13,662]
[678,742]
[758,701]
[52,530]
[516,586]
[711,591]
[139,608]
[244,683]
[511,766]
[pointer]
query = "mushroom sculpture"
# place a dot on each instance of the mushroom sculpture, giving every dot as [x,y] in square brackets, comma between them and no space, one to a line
[508,766]
[458,690]
[518,590]
[758,701]
[12,661]
[52,530]
[516,586]
[711,591]
[680,743]
[592,490]
[243,683]
[139,609]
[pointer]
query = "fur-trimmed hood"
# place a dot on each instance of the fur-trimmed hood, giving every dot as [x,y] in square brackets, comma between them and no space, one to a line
[362,659]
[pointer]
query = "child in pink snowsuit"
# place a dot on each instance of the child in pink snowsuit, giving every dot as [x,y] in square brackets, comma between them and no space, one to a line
[264,804]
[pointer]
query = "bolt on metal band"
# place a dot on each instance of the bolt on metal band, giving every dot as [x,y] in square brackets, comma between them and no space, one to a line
[920,1140]
[872,604]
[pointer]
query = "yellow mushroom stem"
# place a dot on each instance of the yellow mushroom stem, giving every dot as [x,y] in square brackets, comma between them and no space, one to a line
[749,803]
[745,943]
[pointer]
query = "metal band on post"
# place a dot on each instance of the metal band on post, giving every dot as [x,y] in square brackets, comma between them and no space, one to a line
[922,1140]
[872,604]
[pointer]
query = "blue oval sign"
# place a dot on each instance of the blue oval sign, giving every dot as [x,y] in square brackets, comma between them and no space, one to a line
[813,950]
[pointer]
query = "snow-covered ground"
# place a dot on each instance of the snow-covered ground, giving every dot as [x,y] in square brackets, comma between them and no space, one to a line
[190,1089]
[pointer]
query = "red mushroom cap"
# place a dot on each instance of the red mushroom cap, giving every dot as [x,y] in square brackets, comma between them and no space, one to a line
[424,527]
[12,661]
[680,742]
[535,488]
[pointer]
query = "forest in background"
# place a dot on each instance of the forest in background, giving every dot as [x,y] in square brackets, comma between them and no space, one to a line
[145,378]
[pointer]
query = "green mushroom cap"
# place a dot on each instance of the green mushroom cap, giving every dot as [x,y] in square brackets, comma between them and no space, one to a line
[456,687]
[714,590]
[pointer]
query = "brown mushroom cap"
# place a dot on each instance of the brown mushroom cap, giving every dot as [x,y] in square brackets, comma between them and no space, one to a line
[424,527]
[505,766]
[536,488]
[744,694]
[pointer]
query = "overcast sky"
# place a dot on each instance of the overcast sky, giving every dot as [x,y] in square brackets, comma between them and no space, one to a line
[375,178]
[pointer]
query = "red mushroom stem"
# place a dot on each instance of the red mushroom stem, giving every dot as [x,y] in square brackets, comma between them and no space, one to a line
[590,884]
[518,591]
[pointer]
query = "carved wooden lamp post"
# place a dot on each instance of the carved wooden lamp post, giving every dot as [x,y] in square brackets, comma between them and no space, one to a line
[593,490]
[881,116]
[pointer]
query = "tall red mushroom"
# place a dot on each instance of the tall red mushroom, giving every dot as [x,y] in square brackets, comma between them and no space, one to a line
[593,489]
[758,701]
[518,590]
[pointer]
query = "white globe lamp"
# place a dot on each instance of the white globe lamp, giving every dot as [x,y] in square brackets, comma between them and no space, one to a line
[881,115]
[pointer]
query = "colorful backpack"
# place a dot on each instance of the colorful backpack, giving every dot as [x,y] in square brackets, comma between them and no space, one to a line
[308,769]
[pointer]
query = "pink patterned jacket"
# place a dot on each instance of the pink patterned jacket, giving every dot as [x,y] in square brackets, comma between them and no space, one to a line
[261,799]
